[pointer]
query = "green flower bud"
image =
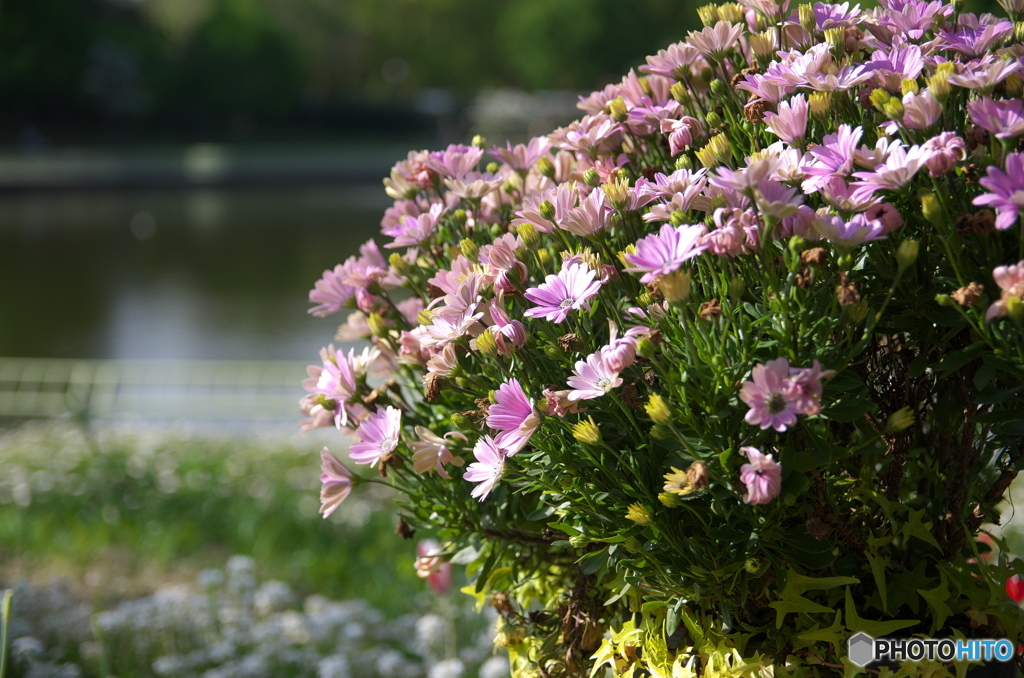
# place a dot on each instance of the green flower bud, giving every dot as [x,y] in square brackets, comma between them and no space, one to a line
[462,422]
[820,104]
[529,236]
[658,410]
[675,286]
[836,39]
[909,85]
[668,499]
[906,255]
[479,141]
[459,216]
[645,348]
[639,514]
[544,257]
[684,162]
[879,98]
[680,93]
[797,245]
[660,432]
[378,325]
[592,178]
[398,264]
[553,353]
[486,344]
[617,109]
[712,118]
[944,300]
[633,545]
[470,250]
[737,287]
[547,210]
[900,420]
[492,167]
[677,218]
[1015,310]
[708,14]
[719,89]
[894,109]
[425,317]
[545,167]
[807,20]
[931,208]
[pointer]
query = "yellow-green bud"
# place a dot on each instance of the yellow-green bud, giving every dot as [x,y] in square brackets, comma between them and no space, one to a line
[675,286]
[797,245]
[658,410]
[906,255]
[528,236]
[545,167]
[633,545]
[425,317]
[645,348]
[547,210]
[958,5]
[462,422]
[592,178]
[719,89]
[707,74]
[378,325]
[763,45]
[479,141]
[668,499]
[645,299]
[510,635]
[486,344]
[470,249]
[1014,85]
[677,218]
[617,109]
[587,432]
[492,167]
[939,86]
[708,14]
[945,69]
[1015,309]
[639,514]
[684,162]
[755,565]
[807,20]
[661,432]
[733,12]
[645,85]
[820,104]
[680,93]
[909,85]
[836,39]
[398,263]
[737,287]
[900,420]
[893,109]
[578,541]
[459,216]
[553,353]
[931,208]
[544,257]
[617,192]
[879,98]
[718,151]
[712,118]
[1018,31]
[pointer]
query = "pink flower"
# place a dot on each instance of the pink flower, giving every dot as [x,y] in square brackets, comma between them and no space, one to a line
[943,152]
[487,469]
[559,294]
[432,567]
[378,436]
[713,42]
[455,161]
[805,387]
[513,415]
[663,252]
[593,378]
[1011,280]
[592,215]
[335,482]
[762,476]
[331,293]
[849,234]
[557,403]
[887,214]
[770,396]
[522,157]
[431,452]
[790,123]
[1007,190]
[508,334]
[1004,118]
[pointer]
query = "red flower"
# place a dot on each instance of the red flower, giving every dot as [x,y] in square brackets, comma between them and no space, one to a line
[1015,589]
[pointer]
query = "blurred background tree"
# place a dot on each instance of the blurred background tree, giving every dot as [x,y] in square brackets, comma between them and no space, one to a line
[168,69]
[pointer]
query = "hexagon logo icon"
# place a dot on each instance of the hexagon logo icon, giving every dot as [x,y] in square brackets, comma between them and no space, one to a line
[860,648]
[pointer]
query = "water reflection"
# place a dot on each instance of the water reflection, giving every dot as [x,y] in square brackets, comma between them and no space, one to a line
[173,274]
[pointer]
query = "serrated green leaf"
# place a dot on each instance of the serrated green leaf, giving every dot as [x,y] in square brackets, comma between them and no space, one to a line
[878,572]
[936,599]
[875,629]
[914,527]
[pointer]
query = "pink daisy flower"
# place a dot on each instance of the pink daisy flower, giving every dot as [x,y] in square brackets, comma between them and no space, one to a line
[1007,190]
[663,252]
[335,482]
[1011,280]
[762,476]
[487,469]
[513,415]
[559,294]
[378,436]
[593,378]
[431,452]
[331,293]
[770,396]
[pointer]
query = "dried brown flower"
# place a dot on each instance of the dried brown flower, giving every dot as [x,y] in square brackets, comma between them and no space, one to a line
[966,296]
[710,309]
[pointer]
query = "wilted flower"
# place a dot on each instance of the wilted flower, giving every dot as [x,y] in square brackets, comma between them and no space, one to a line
[431,452]
[1011,281]
[762,476]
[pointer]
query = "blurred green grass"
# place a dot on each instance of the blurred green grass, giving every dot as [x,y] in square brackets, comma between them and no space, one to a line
[127,513]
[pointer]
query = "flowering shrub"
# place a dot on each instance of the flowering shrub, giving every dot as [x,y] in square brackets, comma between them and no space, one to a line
[725,371]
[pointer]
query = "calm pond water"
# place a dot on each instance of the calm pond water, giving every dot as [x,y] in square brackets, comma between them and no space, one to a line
[174,274]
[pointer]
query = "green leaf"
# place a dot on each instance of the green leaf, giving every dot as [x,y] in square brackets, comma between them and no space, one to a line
[914,527]
[835,635]
[878,572]
[795,604]
[994,396]
[798,583]
[936,599]
[875,629]
[849,408]
[957,359]
[466,556]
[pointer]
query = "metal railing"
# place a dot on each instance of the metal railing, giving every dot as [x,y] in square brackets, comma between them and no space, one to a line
[136,391]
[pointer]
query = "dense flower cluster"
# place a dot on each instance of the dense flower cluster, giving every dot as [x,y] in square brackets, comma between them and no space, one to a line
[781,238]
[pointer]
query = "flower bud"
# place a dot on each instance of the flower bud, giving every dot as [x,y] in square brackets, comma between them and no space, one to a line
[807,20]
[591,178]
[712,118]
[479,141]
[836,39]
[553,353]
[378,325]
[547,210]
[931,209]
[1015,309]
[587,432]
[398,264]
[633,545]
[906,255]
[459,216]
[658,410]
[677,218]
[675,286]
[737,287]
[668,499]
[328,404]
[1014,86]
[528,235]
[718,151]
[719,89]
[425,317]
[1018,31]
[944,300]
[900,420]
[958,5]
[486,344]
[708,14]
[462,422]
[820,104]
[733,12]
[617,109]
[894,109]
[683,162]
[469,249]
[680,93]
[797,245]
[939,87]
[617,192]
[645,85]
[645,299]
[492,167]
[645,348]
[545,167]
[909,85]
[879,98]
[639,514]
